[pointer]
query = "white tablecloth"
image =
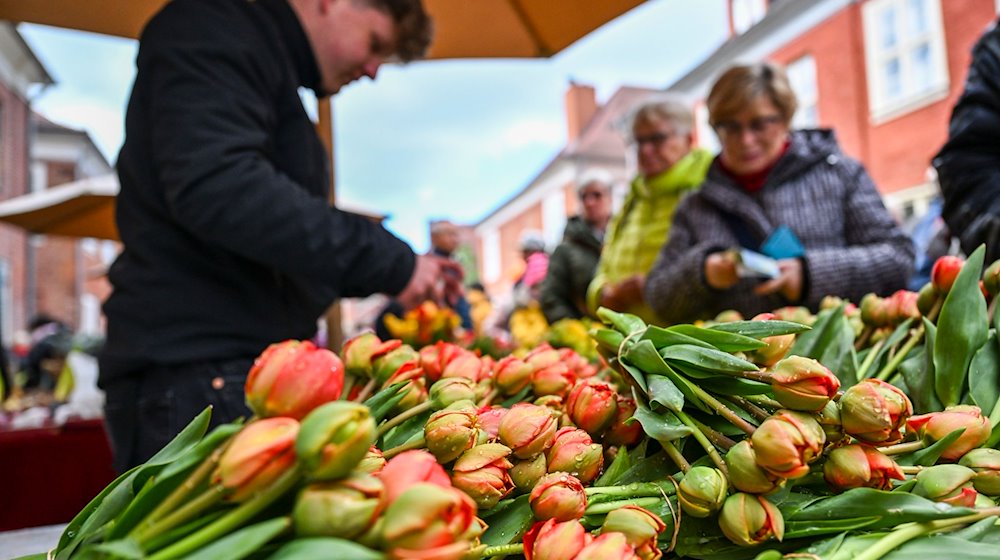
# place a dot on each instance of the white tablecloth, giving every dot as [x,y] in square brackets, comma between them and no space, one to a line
[14,544]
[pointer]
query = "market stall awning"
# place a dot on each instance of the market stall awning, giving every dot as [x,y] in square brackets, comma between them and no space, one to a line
[83,208]
[463,28]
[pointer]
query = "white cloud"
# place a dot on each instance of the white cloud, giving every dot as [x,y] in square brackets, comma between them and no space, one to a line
[104,123]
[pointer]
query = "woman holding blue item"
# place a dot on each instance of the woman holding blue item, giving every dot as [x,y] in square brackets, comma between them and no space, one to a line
[783,217]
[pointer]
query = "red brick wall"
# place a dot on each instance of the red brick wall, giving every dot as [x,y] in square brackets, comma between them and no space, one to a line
[56,262]
[511,263]
[14,182]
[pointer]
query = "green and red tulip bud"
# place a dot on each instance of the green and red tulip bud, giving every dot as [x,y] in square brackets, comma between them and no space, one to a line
[429,518]
[728,316]
[415,390]
[927,298]
[950,484]
[527,472]
[801,383]
[576,363]
[527,429]
[986,464]
[702,491]
[558,496]
[933,426]
[621,432]
[466,364]
[259,454]
[359,352]
[555,540]
[293,377]
[343,509]
[875,311]
[512,375]
[557,406]
[556,379]
[385,365]
[787,442]
[991,279]
[874,411]
[574,452]
[372,462]
[858,465]
[944,272]
[641,528]
[592,406]
[434,358]
[450,432]
[410,468]
[796,314]
[334,438]
[608,546]
[749,520]
[490,418]
[746,475]
[483,473]
[449,390]
[777,346]
[903,306]
[829,419]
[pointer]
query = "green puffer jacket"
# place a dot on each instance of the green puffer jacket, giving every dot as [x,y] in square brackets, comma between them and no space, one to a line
[637,232]
[571,268]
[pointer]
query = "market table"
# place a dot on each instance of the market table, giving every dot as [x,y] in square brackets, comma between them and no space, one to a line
[49,474]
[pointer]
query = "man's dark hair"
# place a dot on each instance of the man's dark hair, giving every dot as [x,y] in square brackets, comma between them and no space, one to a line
[413,26]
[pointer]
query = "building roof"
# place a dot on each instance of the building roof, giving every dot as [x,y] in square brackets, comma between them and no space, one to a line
[19,67]
[43,125]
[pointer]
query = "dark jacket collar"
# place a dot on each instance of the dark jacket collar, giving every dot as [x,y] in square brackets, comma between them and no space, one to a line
[296,42]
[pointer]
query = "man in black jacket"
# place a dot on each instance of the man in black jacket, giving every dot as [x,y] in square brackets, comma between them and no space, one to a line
[968,165]
[229,242]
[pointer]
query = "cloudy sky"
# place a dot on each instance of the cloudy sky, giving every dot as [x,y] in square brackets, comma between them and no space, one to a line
[435,139]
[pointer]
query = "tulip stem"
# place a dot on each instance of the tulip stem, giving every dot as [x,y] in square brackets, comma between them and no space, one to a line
[754,410]
[502,550]
[634,490]
[233,519]
[675,455]
[412,444]
[715,436]
[713,453]
[869,359]
[722,410]
[762,401]
[762,376]
[404,416]
[897,359]
[608,507]
[910,531]
[488,398]
[863,339]
[365,391]
[901,448]
[345,393]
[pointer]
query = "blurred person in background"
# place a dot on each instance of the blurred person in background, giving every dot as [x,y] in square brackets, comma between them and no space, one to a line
[791,195]
[574,261]
[669,167]
[444,242]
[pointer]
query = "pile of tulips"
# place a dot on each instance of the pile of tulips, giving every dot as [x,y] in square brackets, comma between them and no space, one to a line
[787,434]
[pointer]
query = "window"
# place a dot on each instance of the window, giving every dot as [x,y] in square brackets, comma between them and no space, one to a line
[802,75]
[746,13]
[491,256]
[905,55]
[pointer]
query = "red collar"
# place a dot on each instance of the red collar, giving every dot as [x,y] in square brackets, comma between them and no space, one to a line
[753,182]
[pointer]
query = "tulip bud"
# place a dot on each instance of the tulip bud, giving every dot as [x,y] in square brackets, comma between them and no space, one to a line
[950,484]
[558,496]
[293,377]
[621,432]
[450,432]
[434,358]
[427,516]
[796,314]
[592,405]
[579,365]
[372,462]
[702,491]
[575,453]
[483,473]
[728,316]
[259,453]
[829,419]
[749,520]
[489,420]
[856,466]
[410,468]
[991,279]
[465,364]
[745,474]
[608,546]
[334,438]
[449,390]
[803,384]
[343,509]
[777,346]
[873,411]
[359,352]
[553,540]
[556,379]
[986,464]
[927,297]
[640,526]
[527,429]
[786,442]
[874,312]
[945,271]
[385,365]
[903,306]
[934,426]
[512,375]
[527,472]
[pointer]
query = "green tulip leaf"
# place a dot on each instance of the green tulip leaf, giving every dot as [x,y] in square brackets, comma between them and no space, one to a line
[944,546]
[39,556]
[323,547]
[895,338]
[734,386]
[382,402]
[914,373]
[508,525]
[706,358]
[662,338]
[962,330]
[117,495]
[655,467]
[664,392]
[984,375]
[929,455]
[122,549]
[824,331]
[411,428]
[618,467]
[244,542]
[636,374]
[984,530]
[625,323]
[887,509]
[722,340]
[761,329]
[520,396]
[660,426]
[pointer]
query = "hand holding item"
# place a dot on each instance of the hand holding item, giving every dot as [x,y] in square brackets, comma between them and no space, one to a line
[788,283]
[620,295]
[434,278]
[721,270]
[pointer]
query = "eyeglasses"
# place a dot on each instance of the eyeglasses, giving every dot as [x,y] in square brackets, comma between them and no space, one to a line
[656,139]
[757,126]
[591,194]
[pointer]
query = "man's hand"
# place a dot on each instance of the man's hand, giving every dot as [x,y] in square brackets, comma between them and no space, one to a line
[434,278]
[788,282]
[624,293]
[720,270]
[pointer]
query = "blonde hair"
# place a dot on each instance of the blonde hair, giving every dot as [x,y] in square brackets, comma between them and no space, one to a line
[670,109]
[741,85]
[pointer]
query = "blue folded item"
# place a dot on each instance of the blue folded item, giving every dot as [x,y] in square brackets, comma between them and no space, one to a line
[782,244]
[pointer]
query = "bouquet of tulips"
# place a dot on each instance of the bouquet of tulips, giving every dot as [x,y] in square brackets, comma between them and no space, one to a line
[785,435]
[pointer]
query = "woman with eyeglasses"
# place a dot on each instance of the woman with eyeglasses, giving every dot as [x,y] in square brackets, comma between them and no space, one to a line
[668,168]
[792,196]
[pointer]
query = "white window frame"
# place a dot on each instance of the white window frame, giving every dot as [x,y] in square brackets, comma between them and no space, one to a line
[746,14]
[882,107]
[801,71]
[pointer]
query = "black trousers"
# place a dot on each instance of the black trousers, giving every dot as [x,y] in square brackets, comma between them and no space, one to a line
[144,411]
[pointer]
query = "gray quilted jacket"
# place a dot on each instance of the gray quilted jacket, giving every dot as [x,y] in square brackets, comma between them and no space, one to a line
[852,244]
